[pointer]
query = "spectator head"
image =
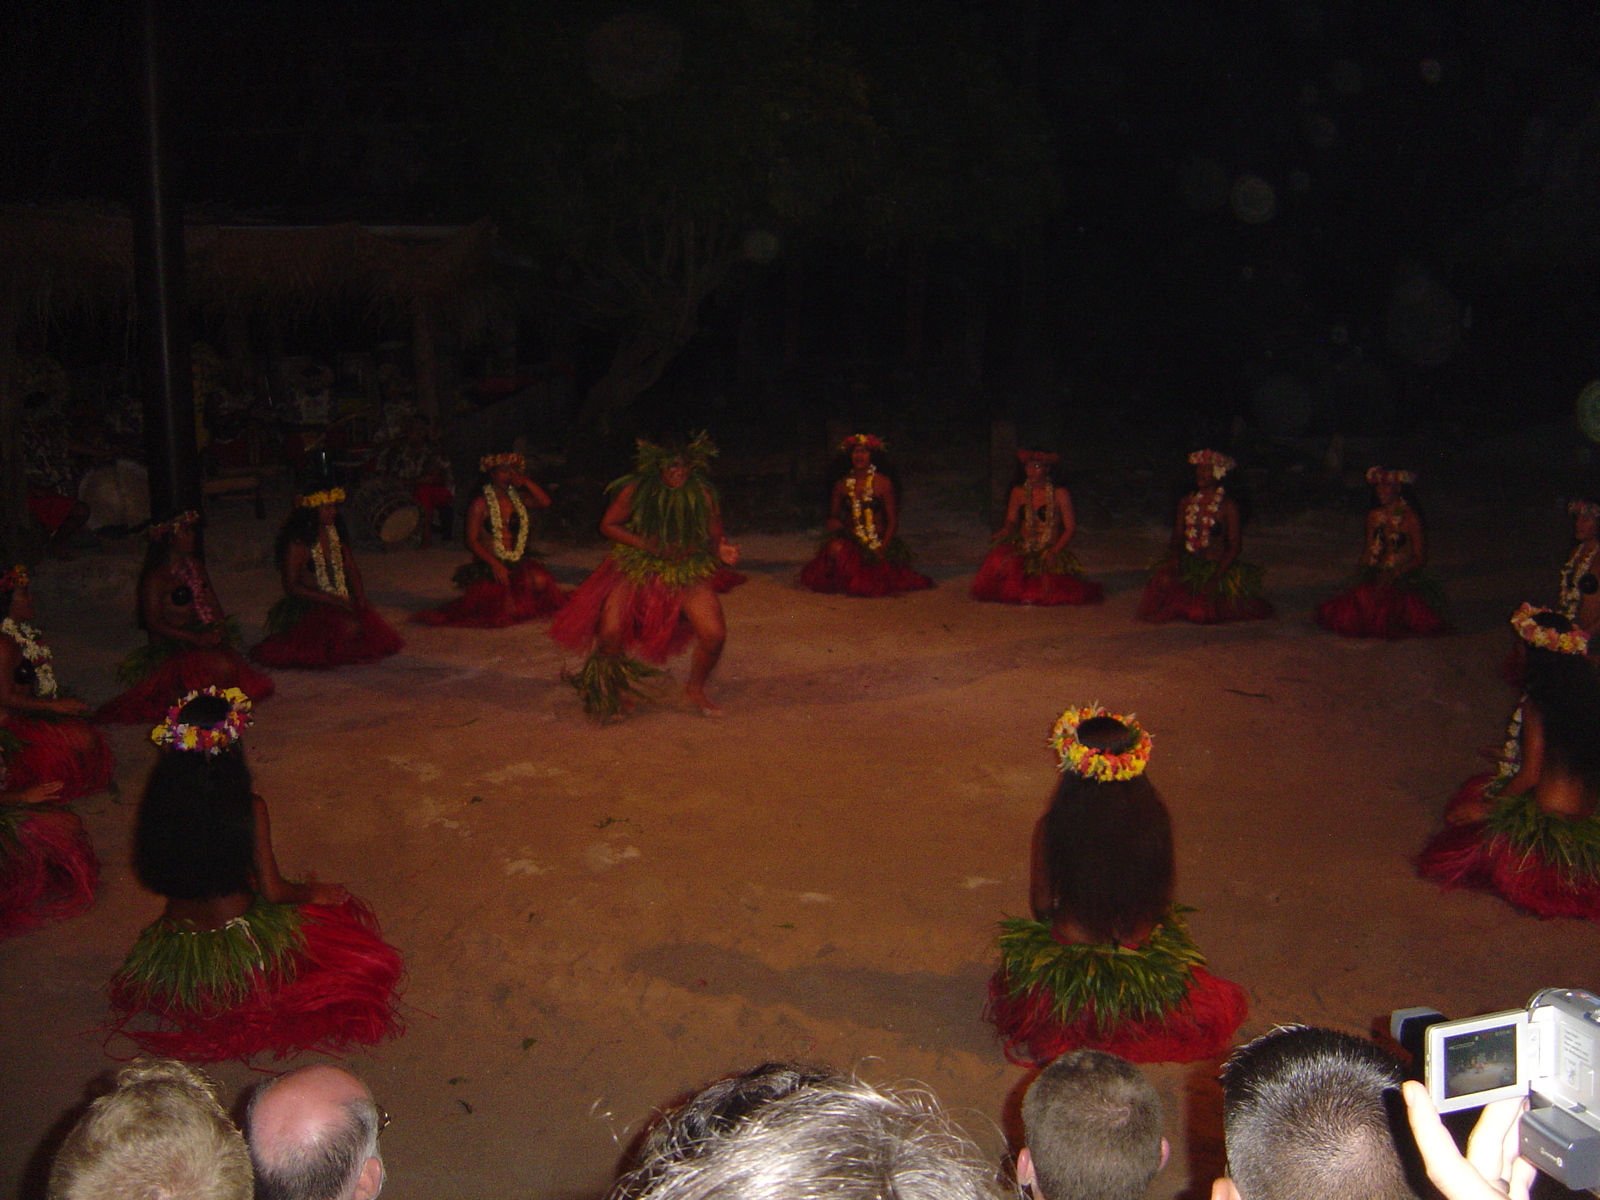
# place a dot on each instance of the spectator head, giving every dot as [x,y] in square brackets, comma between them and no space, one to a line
[1304,1118]
[1092,1124]
[159,1134]
[833,1140]
[313,1135]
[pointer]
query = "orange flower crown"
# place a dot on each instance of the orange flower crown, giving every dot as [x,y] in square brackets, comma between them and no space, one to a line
[1219,462]
[510,459]
[869,440]
[1377,475]
[318,499]
[205,739]
[171,525]
[1089,762]
[1574,641]
[13,579]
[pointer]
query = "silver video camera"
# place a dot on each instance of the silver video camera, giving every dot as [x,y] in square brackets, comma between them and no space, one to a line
[1548,1052]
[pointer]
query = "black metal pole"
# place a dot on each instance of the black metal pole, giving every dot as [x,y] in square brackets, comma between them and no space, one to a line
[165,382]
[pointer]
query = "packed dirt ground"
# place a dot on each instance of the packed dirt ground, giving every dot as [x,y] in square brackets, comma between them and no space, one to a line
[598,919]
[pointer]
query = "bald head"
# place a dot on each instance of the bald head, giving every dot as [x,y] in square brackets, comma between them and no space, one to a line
[313,1135]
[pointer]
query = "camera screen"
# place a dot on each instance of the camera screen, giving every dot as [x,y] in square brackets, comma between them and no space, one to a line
[1481,1061]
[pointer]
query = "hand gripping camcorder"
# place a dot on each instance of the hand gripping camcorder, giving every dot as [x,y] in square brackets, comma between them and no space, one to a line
[1548,1052]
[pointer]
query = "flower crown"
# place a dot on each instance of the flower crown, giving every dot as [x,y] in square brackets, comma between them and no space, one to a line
[510,459]
[171,525]
[1529,630]
[13,579]
[1377,475]
[1037,456]
[650,458]
[869,441]
[1219,463]
[333,495]
[205,739]
[1098,764]
[1583,508]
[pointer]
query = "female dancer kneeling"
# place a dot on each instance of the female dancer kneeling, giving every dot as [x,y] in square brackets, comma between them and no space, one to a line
[1030,563]
[1393,597]
[1528,832]
[193,643]
[505,583]
[1580,577]
[863,555]
[1106,962]
[324,619]
[241,961]
[48,869]
[1202,579]
[58,744]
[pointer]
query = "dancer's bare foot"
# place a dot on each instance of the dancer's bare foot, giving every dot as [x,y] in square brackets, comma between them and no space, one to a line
[697,697]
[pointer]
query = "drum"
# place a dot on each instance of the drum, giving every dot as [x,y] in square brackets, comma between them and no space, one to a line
[384,505]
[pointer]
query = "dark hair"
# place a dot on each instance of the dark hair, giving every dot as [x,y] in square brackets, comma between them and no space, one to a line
[157,553]
[842,466]
[302,525]
[1092,1123]
[5,602]
[1408,493]
[691,1128]
[320,1166]
[1108,846]
[1020,475]
[1566,691]
[194,837]
[1304,1118]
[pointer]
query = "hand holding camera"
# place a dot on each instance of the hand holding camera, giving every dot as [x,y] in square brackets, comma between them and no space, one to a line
[1492,1168]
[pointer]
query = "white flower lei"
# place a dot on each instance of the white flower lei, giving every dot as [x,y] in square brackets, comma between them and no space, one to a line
[1511,753]
[1036,534]
[329,568]
[861,516]
[497,527]
[31,642]
[1575,570]
[1197,525]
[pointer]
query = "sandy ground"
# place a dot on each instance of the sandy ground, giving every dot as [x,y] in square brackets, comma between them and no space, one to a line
[597,919]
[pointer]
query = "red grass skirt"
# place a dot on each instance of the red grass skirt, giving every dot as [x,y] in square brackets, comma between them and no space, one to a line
[1201,1027]
[61,749]
[330,636]
[532,593]
[844,567]
[1168,598]
[147,701]
[338,992]
[1005,579]
[48,870]
[653,624]
[1381,609]
[1471,856]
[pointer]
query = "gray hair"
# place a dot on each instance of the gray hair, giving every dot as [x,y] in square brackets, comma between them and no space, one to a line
[158,1134]
[324,1166]
[836,1140]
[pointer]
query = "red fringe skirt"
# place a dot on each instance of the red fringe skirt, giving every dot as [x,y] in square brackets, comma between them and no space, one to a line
[1201,1027]
[147,701]
[1379,609]
[843,567]
[1469,856]
[340,993]
[1168,598]
[653,625]
[48,870]
[61,749]
[533,593]
[330,636]
[1004,579]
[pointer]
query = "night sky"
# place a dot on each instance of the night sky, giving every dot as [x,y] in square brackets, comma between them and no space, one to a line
[1367,218]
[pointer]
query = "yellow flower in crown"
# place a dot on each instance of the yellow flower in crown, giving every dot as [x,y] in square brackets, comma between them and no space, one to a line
[1092,763]
[208,739]
[1573,641]
[318,499]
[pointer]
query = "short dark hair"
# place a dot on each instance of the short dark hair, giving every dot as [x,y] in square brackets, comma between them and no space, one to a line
[324,1166]
[1304,1118]
[1093,1126]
